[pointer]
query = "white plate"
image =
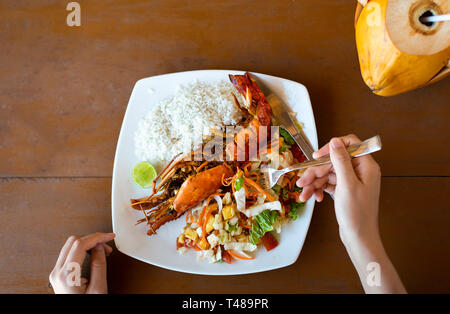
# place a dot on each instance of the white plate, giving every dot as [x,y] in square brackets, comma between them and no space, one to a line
[160,249]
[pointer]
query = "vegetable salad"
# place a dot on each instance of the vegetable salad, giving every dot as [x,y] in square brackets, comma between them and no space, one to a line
[232,223]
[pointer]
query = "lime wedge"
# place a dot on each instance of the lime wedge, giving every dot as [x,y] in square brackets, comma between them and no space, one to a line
[143,174]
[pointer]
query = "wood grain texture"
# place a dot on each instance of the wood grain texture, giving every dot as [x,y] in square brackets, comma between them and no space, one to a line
[63,93]
[36,217]
[64,90]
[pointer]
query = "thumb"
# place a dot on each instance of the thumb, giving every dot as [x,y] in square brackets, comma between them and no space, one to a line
[97,283]
[341,161]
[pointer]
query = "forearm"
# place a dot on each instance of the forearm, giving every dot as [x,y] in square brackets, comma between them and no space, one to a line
[375,270]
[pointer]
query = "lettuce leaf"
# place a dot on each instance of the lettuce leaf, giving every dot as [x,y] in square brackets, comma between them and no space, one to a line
[263,223]
[295,207]
[276,188]
[287,137]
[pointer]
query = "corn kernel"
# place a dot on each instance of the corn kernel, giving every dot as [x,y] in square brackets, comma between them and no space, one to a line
[209,225]
[203,244]
[181,238]
[228,212]
[191,234]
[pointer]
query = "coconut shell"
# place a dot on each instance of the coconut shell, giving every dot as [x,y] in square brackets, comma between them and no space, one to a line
[395,54]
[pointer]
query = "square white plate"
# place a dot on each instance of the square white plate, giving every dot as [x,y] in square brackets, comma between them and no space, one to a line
[160,249]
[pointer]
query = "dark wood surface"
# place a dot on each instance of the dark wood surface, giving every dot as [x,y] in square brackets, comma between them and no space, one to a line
[64,90]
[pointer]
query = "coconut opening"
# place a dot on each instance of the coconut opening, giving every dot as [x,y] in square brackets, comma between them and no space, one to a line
[425,14]
[410,33]
[417,13]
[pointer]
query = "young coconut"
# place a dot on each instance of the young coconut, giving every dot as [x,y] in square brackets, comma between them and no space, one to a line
[397,51]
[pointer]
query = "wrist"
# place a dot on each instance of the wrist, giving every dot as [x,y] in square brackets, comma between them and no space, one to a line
[357,240]
[363,249]
[369,257]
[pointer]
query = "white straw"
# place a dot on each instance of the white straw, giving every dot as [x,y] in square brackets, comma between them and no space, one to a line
[436,18]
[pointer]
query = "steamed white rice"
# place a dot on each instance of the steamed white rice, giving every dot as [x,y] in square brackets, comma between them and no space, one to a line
[177,123]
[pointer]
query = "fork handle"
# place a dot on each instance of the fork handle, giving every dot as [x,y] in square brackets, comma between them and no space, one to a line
[369,146]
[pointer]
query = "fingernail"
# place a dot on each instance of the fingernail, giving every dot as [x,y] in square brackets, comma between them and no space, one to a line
[335,143]
[315,155]
[299,183]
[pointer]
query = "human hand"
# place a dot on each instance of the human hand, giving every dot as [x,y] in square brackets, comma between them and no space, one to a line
[66,275]
[355,184]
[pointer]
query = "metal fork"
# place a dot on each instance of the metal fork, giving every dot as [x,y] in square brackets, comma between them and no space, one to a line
[271,176]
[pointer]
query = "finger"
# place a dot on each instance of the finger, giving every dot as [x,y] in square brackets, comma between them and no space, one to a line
[350,139]
[347,139]
[97,282]
[319,195]
[310,189]
[64,251]
[363,161]
[332,178]
[81,246]
[319,183]
[367,169]
[307,192]
[312,173]
[330,188]
[108,249]
[341,162]
[93,239]
[324,150]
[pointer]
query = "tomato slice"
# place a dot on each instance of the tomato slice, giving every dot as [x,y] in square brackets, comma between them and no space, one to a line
[188,243]
[269,241]
[297,153]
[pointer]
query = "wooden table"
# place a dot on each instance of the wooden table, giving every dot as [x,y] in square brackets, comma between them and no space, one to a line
[64,91]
